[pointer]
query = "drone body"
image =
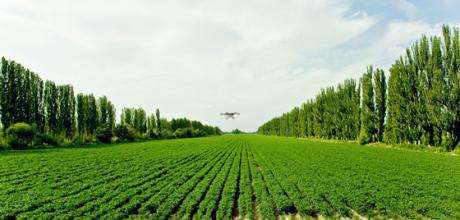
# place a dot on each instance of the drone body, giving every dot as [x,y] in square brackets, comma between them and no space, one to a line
[230,114]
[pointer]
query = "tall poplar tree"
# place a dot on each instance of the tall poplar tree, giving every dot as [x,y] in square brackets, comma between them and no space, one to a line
[82,109]
[52,108]
[380,86]
[66,110]
[157,114]
[92,115]
[368,116]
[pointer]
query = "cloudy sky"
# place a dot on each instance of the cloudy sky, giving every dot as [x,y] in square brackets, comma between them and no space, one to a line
[198,58]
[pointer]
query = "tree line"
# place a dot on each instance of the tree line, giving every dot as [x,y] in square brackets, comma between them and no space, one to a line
[419,103]
[34,112]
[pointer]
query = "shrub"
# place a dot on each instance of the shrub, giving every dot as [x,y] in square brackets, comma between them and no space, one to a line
[166,134]
[363,138]
[104,133]
[49,139]
[447,142]
[457,149]
[183,133]
[237,131]
[139,136]
[20,135]
[153,135]
[198,133]
[125,132]
[3,143]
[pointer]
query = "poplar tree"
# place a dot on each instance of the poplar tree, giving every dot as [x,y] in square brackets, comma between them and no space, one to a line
[103,110]
[36,102]
[157,114]
[52,108]
[127,116]
[82,109]
[5,95]
[92,115]
[380,101]
[66,110]
[111,112]
[368,116]
[396,105]
[151,124]
[140,120]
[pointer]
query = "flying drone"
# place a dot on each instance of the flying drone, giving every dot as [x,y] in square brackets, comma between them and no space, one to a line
[230,114]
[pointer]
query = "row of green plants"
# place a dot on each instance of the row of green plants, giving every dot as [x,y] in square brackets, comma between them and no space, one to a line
[329,180]
[419,104]
[245,176]
[105,183]
[170,198]
[35,113]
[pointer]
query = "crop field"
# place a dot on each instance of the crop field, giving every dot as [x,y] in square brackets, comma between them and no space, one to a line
[244,176]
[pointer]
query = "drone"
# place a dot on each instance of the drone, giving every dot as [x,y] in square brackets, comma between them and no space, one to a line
[230,114]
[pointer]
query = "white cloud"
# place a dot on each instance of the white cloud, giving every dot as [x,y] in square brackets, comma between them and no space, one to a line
[197,58]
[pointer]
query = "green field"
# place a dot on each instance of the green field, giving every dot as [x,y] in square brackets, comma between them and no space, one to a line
[228,176]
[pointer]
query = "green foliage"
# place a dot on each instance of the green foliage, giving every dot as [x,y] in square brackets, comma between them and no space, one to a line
[380,86]
[92,115]
[157,114]
[424,84]
[166,134]
[369,119]
[49,140]
[237,131]
[104,133]
[60,118]
[363,138]
[66,117]
[140,120]
[52,108]
[333,114]
[226,177]
[447,142]
[125,132]
[82,114]
[199,133]
[20,135]
[151,125]
[3,142]
[184,133]
[419,105]
[21,95]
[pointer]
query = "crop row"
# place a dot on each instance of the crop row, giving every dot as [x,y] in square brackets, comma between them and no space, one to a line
[249,177]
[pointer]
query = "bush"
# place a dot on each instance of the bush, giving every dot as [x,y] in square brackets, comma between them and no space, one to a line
[104,134]
[363,138]
[183,133]
[125,132]
[49,139]
[198,133]
[447,142]
[153,135]
[20,135]
[457,149]
[237,131]
[139,136]
[3,143]
[166,134]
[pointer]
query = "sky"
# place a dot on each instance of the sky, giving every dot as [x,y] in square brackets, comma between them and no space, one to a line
[197,59]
